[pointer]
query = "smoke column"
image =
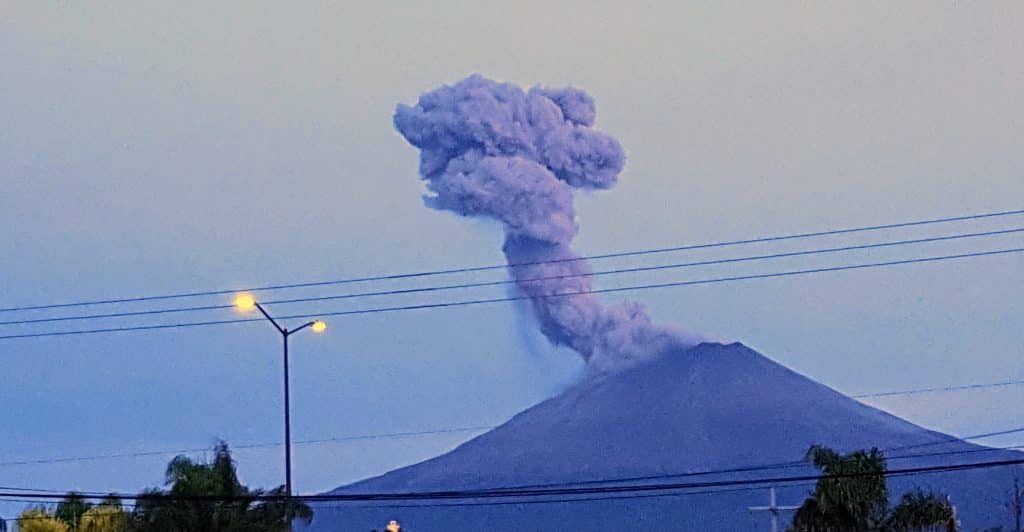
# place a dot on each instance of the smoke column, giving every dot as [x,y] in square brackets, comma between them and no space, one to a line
[490,149]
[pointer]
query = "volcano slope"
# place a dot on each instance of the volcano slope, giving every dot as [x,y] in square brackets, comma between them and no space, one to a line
[711,414]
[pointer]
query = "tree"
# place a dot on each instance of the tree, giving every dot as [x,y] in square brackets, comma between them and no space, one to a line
[919,511]
[105,517]
[851,496]
[233,508]
[38,520]
[71,509]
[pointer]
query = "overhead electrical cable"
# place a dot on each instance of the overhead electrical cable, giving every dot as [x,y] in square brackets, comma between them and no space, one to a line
[918,391]
[795,463]
[618,271]
[66,459]
[532,493]
[167,452]
[749,468]
[470,269]
[461,303]
[614,497]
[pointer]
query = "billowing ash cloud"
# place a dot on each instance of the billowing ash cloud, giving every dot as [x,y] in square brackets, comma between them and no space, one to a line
[490,149]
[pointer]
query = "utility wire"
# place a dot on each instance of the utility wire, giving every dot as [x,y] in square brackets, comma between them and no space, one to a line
[612,497]
[756,484]
[57,460]
[470,269]
[559,501]
[461,303]
[167,452]
[617,271]
[751,468]
[788,464]
[952,439]
[474,494]
[493,503]
[676,493]
[939,389]
[532,493]
[783,483]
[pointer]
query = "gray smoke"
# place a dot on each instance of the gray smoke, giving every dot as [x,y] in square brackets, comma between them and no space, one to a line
[490,149]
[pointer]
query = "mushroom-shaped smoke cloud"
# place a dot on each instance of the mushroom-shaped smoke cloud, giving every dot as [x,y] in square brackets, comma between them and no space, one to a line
[490,149]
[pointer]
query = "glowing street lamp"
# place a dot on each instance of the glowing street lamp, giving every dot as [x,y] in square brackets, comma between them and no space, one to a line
[245,303]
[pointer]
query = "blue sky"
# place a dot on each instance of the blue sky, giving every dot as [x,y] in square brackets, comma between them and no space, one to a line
[152,149]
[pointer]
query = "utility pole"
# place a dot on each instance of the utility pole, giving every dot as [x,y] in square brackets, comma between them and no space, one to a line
[1016,503]
[773,509]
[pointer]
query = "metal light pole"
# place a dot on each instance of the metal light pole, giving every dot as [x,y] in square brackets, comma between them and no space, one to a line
[246,302]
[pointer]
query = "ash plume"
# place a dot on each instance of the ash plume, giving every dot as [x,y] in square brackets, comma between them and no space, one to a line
[490,149]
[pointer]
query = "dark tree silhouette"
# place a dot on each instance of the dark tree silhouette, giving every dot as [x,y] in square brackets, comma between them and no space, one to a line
[239,511]
[850,497]
[919,511]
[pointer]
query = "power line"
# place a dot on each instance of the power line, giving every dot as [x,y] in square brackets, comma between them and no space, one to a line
[559,501]
[46,517]
[952,439]
[40,490]
[532,493]
[475,494]
[939,389]
[57,460]
[489,503]
[759,485]
[121,314]
[785,483]
[167,452]
[755,484]
[791,463]
[427,273]
[461,303]
[509,491]
[750,468]
[617,271]
[659,490]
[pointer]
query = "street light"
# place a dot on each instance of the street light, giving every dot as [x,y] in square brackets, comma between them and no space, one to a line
[245,303]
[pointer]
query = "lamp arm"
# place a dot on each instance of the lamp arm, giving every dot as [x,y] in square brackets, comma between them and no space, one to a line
[303,326]
[274,322]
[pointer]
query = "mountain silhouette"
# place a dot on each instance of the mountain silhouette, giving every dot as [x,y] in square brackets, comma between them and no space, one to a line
[713,413]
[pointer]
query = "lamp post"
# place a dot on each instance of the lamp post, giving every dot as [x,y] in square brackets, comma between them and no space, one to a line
[245,303]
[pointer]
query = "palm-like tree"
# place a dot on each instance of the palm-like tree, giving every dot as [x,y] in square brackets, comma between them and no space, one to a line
[239,511]
[919,511]
[850,496]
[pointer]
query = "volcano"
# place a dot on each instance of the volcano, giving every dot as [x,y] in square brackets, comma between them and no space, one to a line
[709,413]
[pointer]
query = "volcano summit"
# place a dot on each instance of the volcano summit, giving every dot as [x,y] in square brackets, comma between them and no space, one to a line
[709,408]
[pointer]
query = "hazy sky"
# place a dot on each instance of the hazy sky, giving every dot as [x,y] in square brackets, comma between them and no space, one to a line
[149,148]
